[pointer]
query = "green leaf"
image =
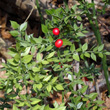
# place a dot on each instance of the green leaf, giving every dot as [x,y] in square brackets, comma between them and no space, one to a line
[100,55]
[99,102]
[35,101]
[27,58]
[93,56]
[79,105]
[66,42]
[72,105]
[50,55]
[93,95]
[59,87]
[80,34]
[36,107]
[12,62]
[107,53]
[23,26]
[38,40]
[49,47]
[76,57]
[81,26]
[14,107]
[95,49]
[9,90]
[82,90]
[74,7]
[54,79]
[45,62]
[21,104]
[14,33]
[38,86]
[61,108]
[33,50]
[66,19]
[50,39]
[44,28]
[47,78]
[39,57]
[50,12]
[85,47]
[70,77]
[100,48]
[35,69]
[82,56]
[87,54]
[75,27]
[49,87]
[72,48]
[14,25]
[26,51]
[85,99]
[17,57]
[79,18]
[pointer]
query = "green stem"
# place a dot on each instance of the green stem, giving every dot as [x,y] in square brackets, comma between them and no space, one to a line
[39,10]
[98,37]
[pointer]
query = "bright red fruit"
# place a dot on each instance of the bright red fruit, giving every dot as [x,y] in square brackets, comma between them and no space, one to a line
[59,63]
[58,43]
[56,31]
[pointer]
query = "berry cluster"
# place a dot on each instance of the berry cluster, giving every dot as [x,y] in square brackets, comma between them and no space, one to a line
[59,42]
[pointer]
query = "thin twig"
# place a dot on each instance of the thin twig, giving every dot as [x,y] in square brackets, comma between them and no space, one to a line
[33,5]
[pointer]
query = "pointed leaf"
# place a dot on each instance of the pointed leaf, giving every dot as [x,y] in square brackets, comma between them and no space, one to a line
[76,57]
[49,87]
[27,58]
[93,56]
[59,87]
[23,26]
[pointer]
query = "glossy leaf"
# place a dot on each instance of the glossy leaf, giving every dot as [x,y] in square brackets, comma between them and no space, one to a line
[14,33]
[76,57]
[50,55]
[44,28]
[47,78]
[59,87]
[87,54]
[35,69]
[72,48]
[79,105]
[35,101]
[49,87]
[85,47]
[23,26]
[14,25]
[27,58]
[39,57]
[93,56]
[100,48]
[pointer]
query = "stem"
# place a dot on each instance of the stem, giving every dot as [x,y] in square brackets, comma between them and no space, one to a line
[42,20]
[98,37]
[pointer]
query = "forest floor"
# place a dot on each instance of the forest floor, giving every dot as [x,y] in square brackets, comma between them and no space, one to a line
[6,40]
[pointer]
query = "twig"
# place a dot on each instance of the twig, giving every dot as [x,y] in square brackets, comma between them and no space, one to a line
[30,12]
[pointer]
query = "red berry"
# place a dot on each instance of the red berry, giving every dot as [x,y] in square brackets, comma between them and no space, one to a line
[56,31]
[61,66]
[86,79]
[58,43]
[59,63]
